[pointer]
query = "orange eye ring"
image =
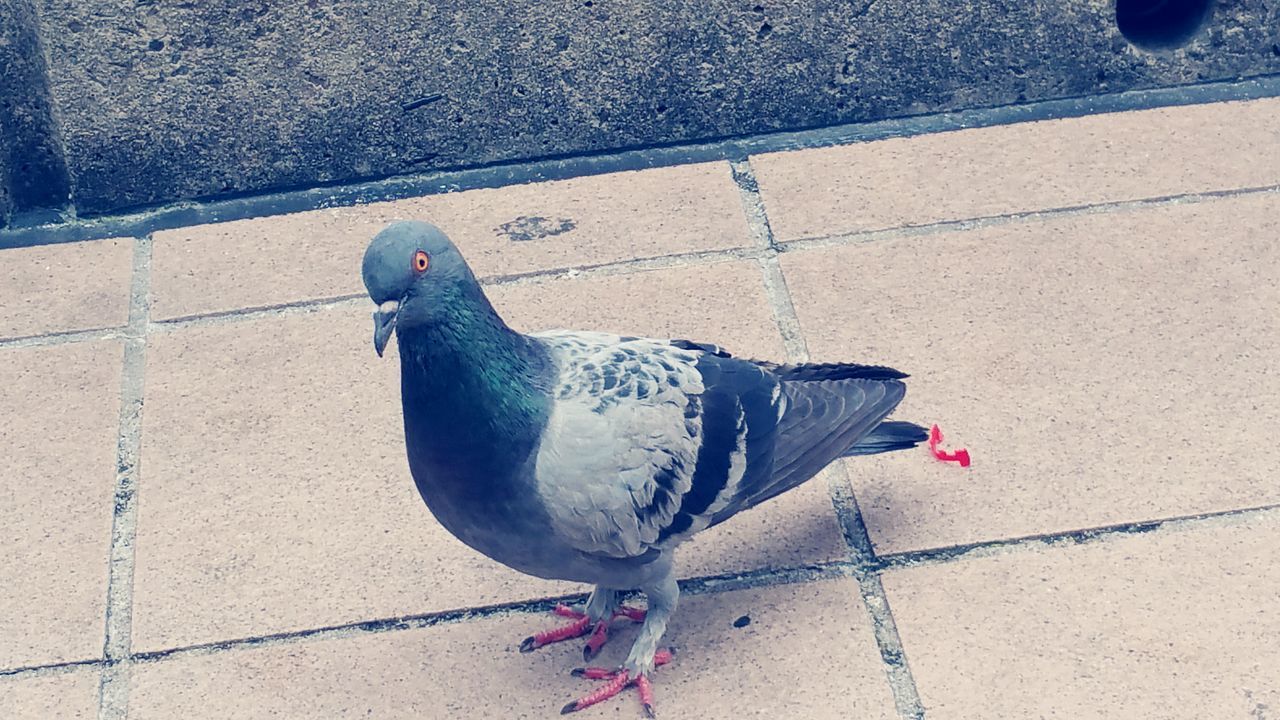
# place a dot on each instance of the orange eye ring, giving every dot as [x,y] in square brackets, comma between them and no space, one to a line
[421,261]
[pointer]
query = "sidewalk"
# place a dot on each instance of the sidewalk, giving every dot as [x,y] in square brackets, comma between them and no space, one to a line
[202,463]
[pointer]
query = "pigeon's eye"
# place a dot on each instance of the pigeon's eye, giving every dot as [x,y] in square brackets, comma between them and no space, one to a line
[420,261]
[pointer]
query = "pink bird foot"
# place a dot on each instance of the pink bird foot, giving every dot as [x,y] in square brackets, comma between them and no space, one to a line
[580,626]
[619,680]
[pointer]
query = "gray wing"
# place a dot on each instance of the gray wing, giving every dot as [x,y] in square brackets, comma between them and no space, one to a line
[650,441]
[621,441]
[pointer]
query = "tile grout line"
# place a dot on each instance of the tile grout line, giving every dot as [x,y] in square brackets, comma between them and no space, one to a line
[784,311]
[64,337]
[902,683]
[621,267]
[752,203]
[113,691]
[249,314]
[940,227]
[849,516]
[765,251]
[59,668]
[694,586]
[627,266]
[989,548]
[775,286]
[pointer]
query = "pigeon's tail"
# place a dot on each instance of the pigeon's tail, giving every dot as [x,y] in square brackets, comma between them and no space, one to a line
[889,436]
[828,410]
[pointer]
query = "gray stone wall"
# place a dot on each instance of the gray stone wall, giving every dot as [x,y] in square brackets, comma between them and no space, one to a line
[160,101]
[33,175]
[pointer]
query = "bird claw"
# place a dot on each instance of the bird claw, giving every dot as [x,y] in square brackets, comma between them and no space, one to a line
[619,680]
[630,613]
[580,626]
[597,640]
[565,611]
[646,694]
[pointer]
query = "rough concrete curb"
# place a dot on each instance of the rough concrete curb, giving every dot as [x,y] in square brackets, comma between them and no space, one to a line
[33,174]
[165,102]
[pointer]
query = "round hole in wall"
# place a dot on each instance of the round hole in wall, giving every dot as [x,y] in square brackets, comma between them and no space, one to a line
[1161,24]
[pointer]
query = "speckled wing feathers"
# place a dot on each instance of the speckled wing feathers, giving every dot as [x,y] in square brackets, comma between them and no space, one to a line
[621,443]
[649,442]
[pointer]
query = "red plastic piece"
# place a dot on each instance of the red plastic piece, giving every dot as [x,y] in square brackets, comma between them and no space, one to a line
[961,456]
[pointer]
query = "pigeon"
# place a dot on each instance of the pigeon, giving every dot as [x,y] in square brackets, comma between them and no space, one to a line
[590,457]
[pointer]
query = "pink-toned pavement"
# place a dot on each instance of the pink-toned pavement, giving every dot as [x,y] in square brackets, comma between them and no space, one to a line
[206,511]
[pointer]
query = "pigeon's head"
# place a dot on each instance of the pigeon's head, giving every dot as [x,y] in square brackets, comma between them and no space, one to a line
[413,273]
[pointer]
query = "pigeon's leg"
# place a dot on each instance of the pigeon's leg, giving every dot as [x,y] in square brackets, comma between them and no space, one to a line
[601,608]
[601,613]
[663,598]
[601,603]
[644,656]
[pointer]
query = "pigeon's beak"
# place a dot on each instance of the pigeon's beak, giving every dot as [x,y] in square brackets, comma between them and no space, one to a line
[384,323]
